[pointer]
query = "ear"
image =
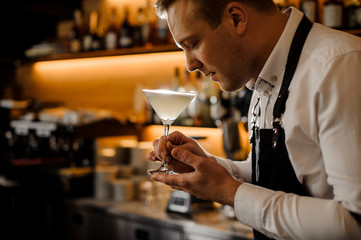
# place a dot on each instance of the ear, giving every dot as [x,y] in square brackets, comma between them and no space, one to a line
[237,14]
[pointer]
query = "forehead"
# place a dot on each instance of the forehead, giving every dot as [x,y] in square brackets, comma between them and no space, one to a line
[182,17]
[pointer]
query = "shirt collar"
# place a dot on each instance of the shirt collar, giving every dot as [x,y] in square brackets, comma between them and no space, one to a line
[272,72]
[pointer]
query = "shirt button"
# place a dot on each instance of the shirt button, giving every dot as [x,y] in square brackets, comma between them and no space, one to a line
[274,78]
[266,93]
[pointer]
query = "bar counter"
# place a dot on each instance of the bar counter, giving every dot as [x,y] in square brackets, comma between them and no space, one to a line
[89,218]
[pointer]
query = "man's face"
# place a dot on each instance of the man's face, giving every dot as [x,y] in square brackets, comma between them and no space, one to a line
[215,52]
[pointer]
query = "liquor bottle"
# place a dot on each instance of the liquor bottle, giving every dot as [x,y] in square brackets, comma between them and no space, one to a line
[94,28]
[333,14]
[351,11]
[87,40]
[162,32]
[199,104]
[151,17]
[206,93]
[144,24]
[77,33]
[191,109]
[126,32]
[309,7]
[137,28]
[177,85]
[111,34]
[91,40]
[176,81]
[358,16]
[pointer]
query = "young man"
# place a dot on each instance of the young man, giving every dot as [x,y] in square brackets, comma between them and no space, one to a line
[303,177]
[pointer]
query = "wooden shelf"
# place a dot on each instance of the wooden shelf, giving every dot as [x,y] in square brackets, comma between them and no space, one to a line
[115,52]
[354,31]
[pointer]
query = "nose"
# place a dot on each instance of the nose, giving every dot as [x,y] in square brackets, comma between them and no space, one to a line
[192,62]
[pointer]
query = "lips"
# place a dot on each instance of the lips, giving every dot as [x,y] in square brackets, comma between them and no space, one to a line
[212,76]
[208,74]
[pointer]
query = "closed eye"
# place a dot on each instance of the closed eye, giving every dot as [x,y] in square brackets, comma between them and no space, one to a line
[194,45]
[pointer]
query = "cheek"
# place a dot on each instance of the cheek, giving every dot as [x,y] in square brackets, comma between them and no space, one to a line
[208,58]
[213,57]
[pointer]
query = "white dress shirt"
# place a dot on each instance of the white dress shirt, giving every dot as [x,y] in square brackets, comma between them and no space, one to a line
[322,124]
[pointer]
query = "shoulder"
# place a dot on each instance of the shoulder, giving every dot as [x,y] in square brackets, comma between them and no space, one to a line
[326,44]
[328,58]
[328,73]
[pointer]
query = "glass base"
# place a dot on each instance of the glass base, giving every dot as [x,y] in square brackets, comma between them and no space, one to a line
[162,170]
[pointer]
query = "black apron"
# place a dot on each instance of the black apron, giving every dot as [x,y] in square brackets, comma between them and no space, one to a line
[271,166]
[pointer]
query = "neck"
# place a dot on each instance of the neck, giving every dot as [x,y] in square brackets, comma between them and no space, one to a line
[265,36]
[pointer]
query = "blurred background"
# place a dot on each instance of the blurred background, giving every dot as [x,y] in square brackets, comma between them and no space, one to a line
[75,127]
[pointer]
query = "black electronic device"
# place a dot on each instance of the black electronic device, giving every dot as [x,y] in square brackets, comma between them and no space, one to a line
[185,204]
[180,202]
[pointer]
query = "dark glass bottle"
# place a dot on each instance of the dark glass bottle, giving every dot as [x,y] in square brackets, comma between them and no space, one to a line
[145,26]
[309,7]
[162,32]
[126,32]
[111,34]
[333,14]
[92,40]
[77,33]
[137,29]
[94,24]
[352,12]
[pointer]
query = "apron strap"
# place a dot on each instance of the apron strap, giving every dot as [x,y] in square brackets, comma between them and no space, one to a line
[356,216]
[280,106]
[295,51]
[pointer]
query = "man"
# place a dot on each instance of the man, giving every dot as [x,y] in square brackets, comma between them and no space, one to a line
[303,177]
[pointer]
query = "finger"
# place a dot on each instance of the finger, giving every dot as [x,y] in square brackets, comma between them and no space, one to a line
[178,188]
[178,166]
[174,180]
[152,157]
[159,148]
[186,157]
[177,138]
[169,146]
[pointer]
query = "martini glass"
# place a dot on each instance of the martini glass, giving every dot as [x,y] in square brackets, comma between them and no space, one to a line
[168,105]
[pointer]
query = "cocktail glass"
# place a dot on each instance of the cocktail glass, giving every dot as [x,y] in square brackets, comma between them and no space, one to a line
[168,105]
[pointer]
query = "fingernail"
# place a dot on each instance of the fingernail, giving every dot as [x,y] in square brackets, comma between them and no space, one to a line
[175,153]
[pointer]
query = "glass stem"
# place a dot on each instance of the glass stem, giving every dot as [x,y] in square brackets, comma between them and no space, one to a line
[166,134]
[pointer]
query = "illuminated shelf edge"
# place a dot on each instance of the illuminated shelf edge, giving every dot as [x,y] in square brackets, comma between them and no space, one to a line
[106,53]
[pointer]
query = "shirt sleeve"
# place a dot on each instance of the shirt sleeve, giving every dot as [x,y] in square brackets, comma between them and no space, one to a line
[288,216]
[241,170]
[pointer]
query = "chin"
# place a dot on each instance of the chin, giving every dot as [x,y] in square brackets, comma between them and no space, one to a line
[229,88]
[230,84]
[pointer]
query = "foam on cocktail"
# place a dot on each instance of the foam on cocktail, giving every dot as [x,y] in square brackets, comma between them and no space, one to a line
[168,104]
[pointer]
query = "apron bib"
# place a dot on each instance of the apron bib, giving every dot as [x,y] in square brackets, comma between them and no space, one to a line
[271,166]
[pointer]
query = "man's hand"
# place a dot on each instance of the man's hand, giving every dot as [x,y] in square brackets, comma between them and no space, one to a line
[200,174]
[179,140]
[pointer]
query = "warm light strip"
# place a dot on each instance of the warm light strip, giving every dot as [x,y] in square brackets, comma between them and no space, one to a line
[212,143]
[110,61]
